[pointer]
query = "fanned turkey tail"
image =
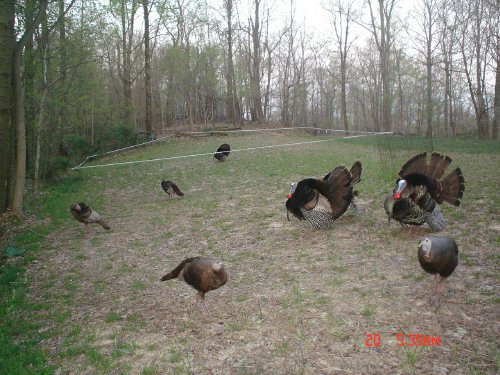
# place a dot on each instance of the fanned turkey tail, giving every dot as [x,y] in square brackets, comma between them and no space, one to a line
[417,164]
[176,271]
[339,192]
[453,187]
[438,165]
[356,172]
[435,167]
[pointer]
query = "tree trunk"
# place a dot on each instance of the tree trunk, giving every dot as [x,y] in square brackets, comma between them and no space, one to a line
[126,63]
[384,67]
[17,200]
[39,125]
[496,109]
[428,63]
[147,70]
[18,115]
[232,104]
[258,113]
[7,43]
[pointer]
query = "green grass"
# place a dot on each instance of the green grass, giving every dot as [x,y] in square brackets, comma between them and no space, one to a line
[20,335]
[20,356]
[462,144]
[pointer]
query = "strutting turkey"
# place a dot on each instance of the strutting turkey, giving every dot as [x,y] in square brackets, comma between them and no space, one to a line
[222,152]
[171,188]
[321,202]
[438,256]
[202,273]
[420,188]
[86,215]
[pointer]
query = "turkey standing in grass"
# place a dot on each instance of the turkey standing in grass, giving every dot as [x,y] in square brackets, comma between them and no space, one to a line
[321,202]
[222,152]
[438,256]
[202,273]
[86,215]
[171,189]
[419,189]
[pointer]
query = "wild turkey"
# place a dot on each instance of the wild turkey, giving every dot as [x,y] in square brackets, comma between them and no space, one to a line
[222,152]
[202,273]
[321,202]
[86,215]
[171,188]
[420,188]
[438,256]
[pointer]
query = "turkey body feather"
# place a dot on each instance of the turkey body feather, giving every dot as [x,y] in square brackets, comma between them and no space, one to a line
[420,189]
[321,202]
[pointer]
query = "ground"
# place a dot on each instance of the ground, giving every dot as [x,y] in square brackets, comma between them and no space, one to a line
[298,300]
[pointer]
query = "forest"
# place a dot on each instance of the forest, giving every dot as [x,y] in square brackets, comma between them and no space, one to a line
[82,76]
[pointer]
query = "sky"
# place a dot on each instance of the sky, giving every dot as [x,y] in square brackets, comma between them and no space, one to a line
[317,20]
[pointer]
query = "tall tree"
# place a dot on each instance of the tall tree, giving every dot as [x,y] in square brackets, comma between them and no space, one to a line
[381,30]
[7,43]
[475,43]
[494,26]
[232,104]
[343,15]
[427,16]
[447,40]
[255,67]
[147,68]
[18,115]
[126,47]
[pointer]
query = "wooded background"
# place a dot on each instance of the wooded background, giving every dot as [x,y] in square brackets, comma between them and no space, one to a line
[82,76]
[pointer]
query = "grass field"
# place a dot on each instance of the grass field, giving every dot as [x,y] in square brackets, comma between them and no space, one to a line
[298,300]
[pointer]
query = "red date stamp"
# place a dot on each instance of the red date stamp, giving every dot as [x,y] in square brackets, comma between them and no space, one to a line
[418,339]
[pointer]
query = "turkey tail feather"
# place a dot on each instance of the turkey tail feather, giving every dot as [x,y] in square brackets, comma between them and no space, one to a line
[103,224]
[439,164]
[177,190]
[176,271]
[453,188]
[417,164]
[356,173]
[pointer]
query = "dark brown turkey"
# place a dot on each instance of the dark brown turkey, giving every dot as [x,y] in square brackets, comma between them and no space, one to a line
[171,189]
[222,152]
[321,202]
[202,273]
[86,215]
[420,188]
[438,256]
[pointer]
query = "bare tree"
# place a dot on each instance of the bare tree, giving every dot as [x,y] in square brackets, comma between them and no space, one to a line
[494,26]
[447,40]
[232,103]
[425,44]
[343,14]
[475,43]
[147,68]
[255,26]
[125,49]
[381,30]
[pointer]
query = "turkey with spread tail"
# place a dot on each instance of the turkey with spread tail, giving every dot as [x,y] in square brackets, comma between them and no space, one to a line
[321,202]
[438,256]
[222,152]
[171,189]
[202,273]
[86,215]
[420,189]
